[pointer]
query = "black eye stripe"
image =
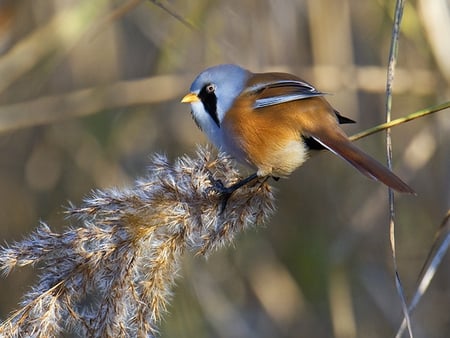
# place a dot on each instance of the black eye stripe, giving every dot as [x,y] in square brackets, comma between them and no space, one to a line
[209,100]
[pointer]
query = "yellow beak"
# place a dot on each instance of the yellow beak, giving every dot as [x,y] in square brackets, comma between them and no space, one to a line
[191,97]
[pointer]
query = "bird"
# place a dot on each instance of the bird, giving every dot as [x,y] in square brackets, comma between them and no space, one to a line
[273,122]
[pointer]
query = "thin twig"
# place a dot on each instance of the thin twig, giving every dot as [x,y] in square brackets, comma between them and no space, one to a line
[440,246]
[393,52]
[400,120]
[173,13]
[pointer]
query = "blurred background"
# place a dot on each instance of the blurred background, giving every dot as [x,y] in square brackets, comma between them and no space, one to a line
[90,89]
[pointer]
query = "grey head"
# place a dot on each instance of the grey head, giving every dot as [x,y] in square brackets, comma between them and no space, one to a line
[216,88]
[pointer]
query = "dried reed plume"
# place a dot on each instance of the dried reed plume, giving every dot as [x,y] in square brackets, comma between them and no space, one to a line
[112,273]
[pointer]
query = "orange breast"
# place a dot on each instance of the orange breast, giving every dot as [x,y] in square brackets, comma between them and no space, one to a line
[270,137]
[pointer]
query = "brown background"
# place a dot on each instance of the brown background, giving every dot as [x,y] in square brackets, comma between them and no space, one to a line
[88,94]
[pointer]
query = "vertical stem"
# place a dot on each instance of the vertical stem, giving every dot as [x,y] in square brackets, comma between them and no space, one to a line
[389,84]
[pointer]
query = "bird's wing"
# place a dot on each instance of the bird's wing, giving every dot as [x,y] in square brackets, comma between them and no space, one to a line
[274,88]
[269,94]
[271,89]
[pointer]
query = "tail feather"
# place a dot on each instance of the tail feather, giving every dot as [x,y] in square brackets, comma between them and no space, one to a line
[366,164]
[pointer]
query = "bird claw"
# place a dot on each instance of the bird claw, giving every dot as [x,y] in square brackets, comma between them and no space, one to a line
[224,192]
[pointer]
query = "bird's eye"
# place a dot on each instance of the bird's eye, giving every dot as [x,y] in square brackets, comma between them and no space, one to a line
[210,88]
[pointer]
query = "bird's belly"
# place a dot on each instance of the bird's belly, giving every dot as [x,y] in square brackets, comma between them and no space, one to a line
[278,160]
[282,161]
[271,144]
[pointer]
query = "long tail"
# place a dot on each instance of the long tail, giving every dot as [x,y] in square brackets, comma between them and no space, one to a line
[367,165]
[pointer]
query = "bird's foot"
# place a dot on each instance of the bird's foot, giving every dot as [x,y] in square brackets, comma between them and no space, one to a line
[224,192]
